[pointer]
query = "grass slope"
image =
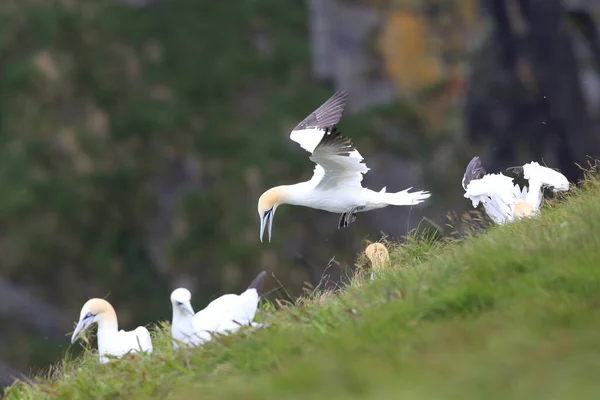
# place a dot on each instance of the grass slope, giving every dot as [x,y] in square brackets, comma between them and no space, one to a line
[510,314]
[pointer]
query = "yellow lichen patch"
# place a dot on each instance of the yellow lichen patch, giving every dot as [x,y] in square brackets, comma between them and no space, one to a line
[378,255]
[408,61]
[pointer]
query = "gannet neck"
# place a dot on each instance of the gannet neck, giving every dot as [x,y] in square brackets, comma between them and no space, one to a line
[295,195]
[534,194]
[108,321]
[182,328]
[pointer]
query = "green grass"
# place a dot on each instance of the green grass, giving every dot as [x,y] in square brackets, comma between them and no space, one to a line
[512,313]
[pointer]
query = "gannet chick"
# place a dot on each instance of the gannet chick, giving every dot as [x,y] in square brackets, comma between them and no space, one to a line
[378,255]
[336,182]
[111,341]
[223,315]
[502,199]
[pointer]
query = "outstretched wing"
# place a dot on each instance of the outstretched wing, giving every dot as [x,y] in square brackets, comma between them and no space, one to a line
[338,161]
[546,176]
[474,171]
[310,131]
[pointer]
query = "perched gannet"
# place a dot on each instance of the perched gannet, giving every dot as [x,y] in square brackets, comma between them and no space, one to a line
[502,199]
[378,254]
[111,341]
[336,182]
[223,315]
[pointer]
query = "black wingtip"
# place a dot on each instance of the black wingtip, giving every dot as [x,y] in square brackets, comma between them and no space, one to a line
[474,170]
[328,114]
[257,283]
[334,139]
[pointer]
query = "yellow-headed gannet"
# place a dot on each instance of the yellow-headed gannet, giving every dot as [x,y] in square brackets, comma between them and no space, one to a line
[336,182]
[111,341]
[502,199]
[223,315]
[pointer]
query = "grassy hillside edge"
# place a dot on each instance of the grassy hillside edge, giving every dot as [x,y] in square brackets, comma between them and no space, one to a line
[512,313]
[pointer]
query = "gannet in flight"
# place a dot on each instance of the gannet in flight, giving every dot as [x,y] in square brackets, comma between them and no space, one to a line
[336,182]
[502,199]
[111,341]
[223,315]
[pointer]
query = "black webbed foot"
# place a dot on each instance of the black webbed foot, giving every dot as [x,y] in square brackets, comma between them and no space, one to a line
[349,217]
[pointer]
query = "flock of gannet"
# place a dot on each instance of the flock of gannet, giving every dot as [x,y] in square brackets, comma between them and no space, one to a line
[223,316]
[336,186]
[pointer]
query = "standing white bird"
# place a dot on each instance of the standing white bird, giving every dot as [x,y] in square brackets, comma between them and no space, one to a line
[502,199]
[336,182]
[223,315]
[111,341]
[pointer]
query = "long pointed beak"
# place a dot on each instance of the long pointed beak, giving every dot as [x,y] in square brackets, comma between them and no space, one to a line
[266,221]
[187,307]
[81,326]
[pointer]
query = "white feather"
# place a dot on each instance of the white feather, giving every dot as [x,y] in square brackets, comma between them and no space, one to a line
[497,193]
[117,344]
[545,176]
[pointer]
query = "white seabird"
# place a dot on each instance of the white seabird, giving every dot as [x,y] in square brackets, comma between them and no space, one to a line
[502,199]
[111,341]
[336,182]
[223,315]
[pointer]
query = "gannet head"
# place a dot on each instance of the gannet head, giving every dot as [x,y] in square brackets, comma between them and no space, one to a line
[523,209]
[94,310]
[180,299]
[267,204]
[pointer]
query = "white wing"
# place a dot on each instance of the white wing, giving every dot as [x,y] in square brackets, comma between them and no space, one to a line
[144,339]
[241,312]
[227,313]
[545,176]
[338,162]
[210,318]
[498,194]
[133,341]
[310,131]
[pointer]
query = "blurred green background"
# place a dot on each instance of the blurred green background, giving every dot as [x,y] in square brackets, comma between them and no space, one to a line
[136,137]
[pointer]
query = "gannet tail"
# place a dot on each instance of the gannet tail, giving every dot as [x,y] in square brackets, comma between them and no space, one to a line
[403,198]
[257,283]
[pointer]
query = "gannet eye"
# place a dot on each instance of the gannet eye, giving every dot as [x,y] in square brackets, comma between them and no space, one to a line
[179,303]
[88,315]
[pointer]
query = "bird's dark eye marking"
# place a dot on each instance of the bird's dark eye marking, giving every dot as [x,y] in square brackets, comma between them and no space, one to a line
[88,315]
[179,303]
